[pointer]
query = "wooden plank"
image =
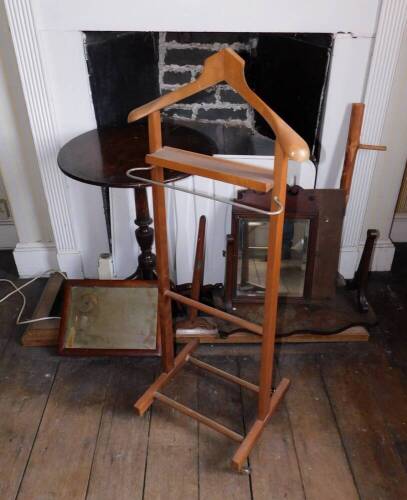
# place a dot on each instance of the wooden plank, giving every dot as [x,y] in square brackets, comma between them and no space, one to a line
[220,399]
[24,389]
[172,456]
[145,400]
[352,334]
[324,467]
[273,461]
[61,459]
[120,456]
[44,333]
[232,172]
[377,466]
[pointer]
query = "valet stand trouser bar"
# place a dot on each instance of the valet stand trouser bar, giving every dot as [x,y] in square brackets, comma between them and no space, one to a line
[267,400]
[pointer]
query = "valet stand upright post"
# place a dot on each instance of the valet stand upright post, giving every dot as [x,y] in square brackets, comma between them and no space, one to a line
[227,66]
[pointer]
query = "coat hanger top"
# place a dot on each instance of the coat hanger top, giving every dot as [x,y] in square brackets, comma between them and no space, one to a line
[227,66]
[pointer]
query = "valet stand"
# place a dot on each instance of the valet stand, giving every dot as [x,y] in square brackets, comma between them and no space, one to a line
[226,66]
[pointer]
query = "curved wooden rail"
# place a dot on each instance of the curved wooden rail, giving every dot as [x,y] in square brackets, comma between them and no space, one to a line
[228,66]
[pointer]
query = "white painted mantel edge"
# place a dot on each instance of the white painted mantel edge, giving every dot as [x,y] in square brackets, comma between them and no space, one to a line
[391,25]
[40,112]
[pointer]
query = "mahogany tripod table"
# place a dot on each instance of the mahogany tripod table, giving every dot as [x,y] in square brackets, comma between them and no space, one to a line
[101,157]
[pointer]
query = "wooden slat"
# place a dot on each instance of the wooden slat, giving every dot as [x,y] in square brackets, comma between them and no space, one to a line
[172,456]
[144,402]
[275,471]
[221,400]
[376,463]
[352,334]
[61,459]
[232,172]
[223,374]
[253,327]
[324,467]
[44,333]
[119,462]
[24,389]
[186,410]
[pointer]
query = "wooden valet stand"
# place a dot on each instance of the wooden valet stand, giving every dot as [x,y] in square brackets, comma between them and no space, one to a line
[226,66]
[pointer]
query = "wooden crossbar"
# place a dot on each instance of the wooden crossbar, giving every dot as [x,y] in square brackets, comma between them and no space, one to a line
[250,176]
[223,374]
[250,440]
[199,417]
[247,325]
[146,400]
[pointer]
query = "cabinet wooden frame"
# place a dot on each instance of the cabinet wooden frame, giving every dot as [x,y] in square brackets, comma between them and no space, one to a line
[300,205]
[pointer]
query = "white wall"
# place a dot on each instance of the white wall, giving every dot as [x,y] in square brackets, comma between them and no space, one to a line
[390,165]
[18,161]
[60,104]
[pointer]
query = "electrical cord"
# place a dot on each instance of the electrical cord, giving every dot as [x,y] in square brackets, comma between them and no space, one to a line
[17,289]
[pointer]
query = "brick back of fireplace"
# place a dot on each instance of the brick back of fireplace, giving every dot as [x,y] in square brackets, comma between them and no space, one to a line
[180,62]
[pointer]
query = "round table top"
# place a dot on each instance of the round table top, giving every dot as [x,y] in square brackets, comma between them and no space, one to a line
[102,156]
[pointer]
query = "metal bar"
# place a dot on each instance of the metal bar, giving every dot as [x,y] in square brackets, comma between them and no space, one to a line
[223,374]
[145,401]
[199,417]
[205,195]
[247,325]
[372,147]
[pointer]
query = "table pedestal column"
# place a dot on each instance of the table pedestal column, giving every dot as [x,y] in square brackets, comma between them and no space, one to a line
[145,237]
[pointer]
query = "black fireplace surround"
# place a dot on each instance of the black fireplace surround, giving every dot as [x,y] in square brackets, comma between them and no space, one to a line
[288,70]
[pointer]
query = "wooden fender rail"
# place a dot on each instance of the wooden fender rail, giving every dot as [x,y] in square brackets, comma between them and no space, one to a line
[247,325]
[248,441]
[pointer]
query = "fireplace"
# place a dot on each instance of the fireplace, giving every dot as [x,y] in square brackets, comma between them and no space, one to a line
[127,69]
[49,46]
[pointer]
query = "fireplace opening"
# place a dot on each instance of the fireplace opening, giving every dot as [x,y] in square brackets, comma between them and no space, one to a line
[288,70]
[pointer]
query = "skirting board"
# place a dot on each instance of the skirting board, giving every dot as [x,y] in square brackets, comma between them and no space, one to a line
[35,258]
[399,228]
[382,257]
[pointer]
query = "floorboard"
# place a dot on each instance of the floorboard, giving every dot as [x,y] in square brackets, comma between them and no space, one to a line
[275,469]
[68,429]
[374,459]
[324,467]
[24,388]
[172,455]
[61,459]
[120,457]
[220,400]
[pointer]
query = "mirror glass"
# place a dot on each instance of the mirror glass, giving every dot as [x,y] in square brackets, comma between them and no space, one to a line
[252,257]
[112,318]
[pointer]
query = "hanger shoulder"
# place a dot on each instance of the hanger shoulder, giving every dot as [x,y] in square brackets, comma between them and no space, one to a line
[226,65]
[212,74]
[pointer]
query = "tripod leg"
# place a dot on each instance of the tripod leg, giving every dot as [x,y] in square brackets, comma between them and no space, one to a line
[164,303]
[272,286]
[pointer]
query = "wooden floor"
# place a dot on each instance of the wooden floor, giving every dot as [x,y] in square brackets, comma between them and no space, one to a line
[67,429]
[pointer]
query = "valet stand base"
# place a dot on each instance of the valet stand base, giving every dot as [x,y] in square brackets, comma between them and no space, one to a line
[246,442]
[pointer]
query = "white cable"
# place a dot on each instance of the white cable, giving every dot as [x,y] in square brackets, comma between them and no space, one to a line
[18,290]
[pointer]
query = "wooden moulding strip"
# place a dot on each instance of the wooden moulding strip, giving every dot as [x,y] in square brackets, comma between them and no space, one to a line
[145,401]
[199,417]
[247,325]
[253,435]
[223,374]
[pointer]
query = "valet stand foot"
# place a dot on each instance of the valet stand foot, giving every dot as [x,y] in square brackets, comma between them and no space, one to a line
[246,442]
